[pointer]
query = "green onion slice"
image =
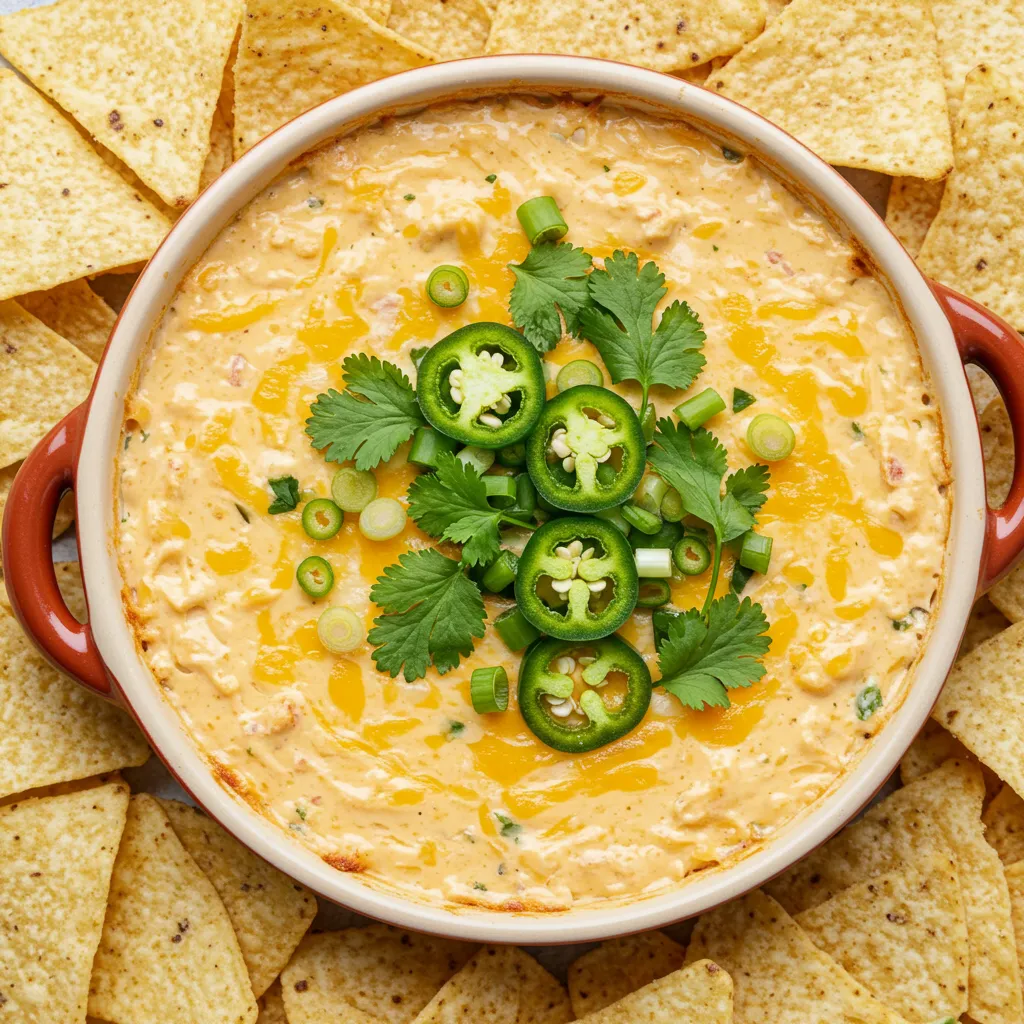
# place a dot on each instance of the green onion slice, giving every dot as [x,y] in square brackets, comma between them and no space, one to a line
[447,286]
[653,562]
[501,573]
[640,519]
[672,510]
[650,494]
[756,551]
[315,576]
[653,594]
[481,459]
[579,371]
[340,629]
[541,220]
[500,489]
[353,489]
[321,518]
[696,411]
[692,556]
[488,690]
[382,519]
[427,445]
[514,630]
[770,437]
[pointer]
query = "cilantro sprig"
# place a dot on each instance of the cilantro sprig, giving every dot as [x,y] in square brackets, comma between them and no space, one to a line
[551,280]
[619,322]
[694,463]
[452,504]
[433,612]
[286,495]
[369,420]
[704,656]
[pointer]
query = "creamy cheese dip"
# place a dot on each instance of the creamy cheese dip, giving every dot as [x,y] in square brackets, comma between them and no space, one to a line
[368,771]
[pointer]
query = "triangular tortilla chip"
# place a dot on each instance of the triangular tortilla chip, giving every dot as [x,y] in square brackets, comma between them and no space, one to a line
[451,28]
[293,56]
[366,973]
[667,35]
[699,994]
[620,966]
[219,156]
[168,952]
[272,1006]
[976,243]
[269,912]
[1008,595]
[772,9]
[903,936]
[65,511]
[997,450]
[911,208]
[893,834]
[56,856]
[485,991]
[867,92]
[985,622]
[119,68]
[932,748]
[542,997]
[379,10]
[1015,883]
[76,313]
[51,729]
[1004,826]
[64,214]
[778,973]
[42,378]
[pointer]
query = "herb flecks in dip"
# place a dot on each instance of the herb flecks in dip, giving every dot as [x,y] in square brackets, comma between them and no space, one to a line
[406,782]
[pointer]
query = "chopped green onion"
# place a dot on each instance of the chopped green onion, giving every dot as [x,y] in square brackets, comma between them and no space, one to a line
[655,562]
[382,519]
[427,445]
[696,411]
[481,459]
[526,498]
[615,517]
[672,506]
[541,220]
[650,494]
[770,437]
[868,701]
[513,455]
[653,594]
[606,474]
[579,371]
[641,519]
[315,576]
[500,490]
[488,690]
[648,422]
[731,155]
[756,551]
[340,629]
[740,578]
[691,556]
[857,430]
[515,632]
[501,573]
[916,617]
[408,197]
[492,178]
[353,489]
[741,399]
[447,286]
[321,518]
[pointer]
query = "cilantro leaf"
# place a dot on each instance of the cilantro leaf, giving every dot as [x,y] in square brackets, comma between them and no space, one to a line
[620,323]
[552,278]
[368,421]
[702,657]
[749,486]
[286,494]
[432,613]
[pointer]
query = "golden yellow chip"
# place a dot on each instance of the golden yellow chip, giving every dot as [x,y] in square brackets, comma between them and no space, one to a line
[542,997]
[65,511]
[141,78]
[699,994]
[772,9]
[1008,594]
[932,748]
[379,10]
[1004,825]
[369,972]
[667,35]
[272,1006]
[976,243]
[1015,883]
[485,991]
[167,952]
[620,966]
[219,156]
[866,93]
[64,214]
[997,448]
[56,857]
[269,912]
[76,313]
[778,973]
[986,620]
[451,28]
[911,208]
[42,378]
[903,936]
[292,56]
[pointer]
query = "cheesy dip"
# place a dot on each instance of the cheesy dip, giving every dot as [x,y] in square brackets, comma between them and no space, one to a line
[702,623]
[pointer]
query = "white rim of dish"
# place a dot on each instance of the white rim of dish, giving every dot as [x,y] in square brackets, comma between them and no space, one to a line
[468,79]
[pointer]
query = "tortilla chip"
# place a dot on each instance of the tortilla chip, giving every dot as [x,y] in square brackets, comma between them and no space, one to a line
[698,994]
[373,972]
[911,208]
[1008,594]
[64,213]
[976,243]
[894,834]
[1015,883]
[293,56]
[379,10]
[667,35]
[778,973]
[985,622]
[983,390]
[219,156]
[772,9]
[52,729]
[42,378]
[485,991]
[129,87]
[76,313]
[868,93]
[65,510]
[620,966]
[56,857]
[168,952]
[1004,826]
[932,748]
[269,912]
[542,997]
[997,448]
[451,28]
[901,935]
[272,1006]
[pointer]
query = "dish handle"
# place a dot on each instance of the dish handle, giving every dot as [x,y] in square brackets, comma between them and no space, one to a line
[28,567]
[992,344]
